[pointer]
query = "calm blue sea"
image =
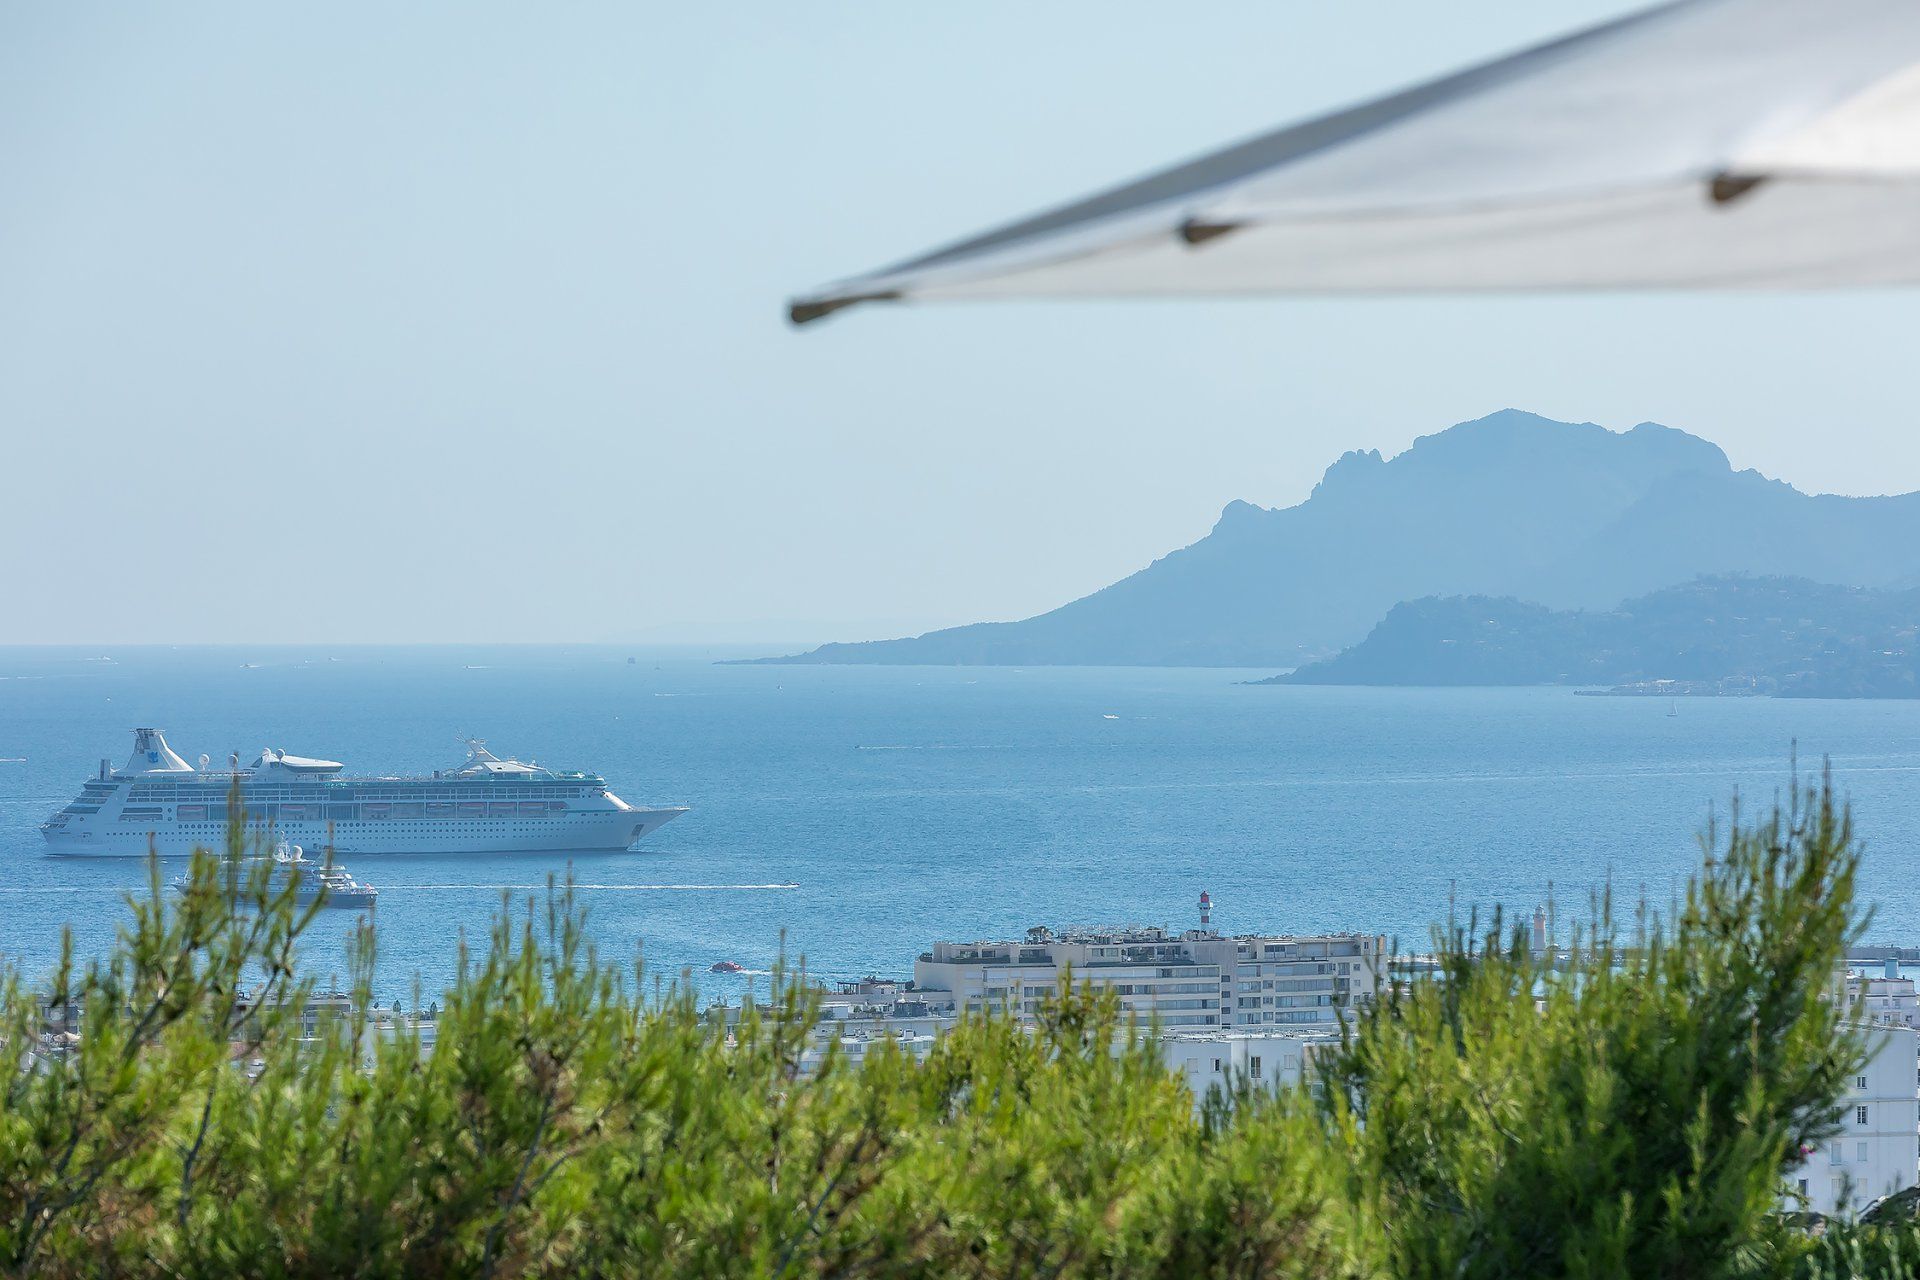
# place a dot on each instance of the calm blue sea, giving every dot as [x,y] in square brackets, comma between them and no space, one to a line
[867,811]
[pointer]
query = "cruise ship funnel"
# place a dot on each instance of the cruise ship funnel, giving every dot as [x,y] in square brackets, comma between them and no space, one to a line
[151,754]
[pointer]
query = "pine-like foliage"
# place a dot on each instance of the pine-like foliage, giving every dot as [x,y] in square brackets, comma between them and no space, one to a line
[1627,1110]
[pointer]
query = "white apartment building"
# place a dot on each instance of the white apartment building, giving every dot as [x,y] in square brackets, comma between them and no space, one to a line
[1884,999]
[1194,980]
[1877,1150]
[861,1016]
[855,1044]
[1268,1058]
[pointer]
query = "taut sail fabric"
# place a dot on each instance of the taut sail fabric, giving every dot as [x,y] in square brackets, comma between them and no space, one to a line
[1708,144]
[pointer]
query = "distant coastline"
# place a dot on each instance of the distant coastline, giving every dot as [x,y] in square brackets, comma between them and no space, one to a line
[1727,636]
[1679,689]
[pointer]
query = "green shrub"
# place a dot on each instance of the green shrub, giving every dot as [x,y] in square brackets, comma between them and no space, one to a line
[1628,1111]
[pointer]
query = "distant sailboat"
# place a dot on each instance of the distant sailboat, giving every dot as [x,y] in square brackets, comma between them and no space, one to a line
[1673,707]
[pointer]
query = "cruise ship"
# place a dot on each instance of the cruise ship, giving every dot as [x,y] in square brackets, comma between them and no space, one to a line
[159,802]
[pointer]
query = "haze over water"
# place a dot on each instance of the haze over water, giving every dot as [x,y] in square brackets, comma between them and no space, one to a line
[867,811]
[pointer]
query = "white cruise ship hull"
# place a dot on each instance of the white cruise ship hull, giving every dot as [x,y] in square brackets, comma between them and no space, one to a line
[592,832]
[158,803]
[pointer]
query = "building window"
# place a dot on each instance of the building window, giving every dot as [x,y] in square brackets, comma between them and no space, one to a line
[1253,1069]
[1860,1153]
[1834,1155]
[1859,1115]
[1216,1066]
[1860,1083]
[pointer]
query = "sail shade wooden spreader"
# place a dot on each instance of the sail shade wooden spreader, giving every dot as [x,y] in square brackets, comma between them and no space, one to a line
[1707,144]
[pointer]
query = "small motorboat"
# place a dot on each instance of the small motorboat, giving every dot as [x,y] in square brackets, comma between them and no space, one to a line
[727,966]
[324,882]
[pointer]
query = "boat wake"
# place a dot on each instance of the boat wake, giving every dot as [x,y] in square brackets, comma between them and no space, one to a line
[613,888]
[65,891]
[931,746]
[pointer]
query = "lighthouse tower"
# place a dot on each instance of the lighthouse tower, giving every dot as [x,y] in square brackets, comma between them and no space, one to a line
[1206,909]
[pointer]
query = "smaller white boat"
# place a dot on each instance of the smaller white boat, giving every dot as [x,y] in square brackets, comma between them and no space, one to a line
[327,883]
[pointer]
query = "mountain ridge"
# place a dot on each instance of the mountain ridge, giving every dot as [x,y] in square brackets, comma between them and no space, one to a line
[1569,515]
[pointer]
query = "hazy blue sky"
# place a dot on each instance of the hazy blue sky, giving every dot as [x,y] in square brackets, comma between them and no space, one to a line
[435,321]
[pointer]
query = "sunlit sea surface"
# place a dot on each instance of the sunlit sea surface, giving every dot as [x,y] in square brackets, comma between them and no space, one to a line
[864,812]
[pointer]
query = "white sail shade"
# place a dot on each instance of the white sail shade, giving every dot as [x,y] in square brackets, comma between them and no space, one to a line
[1708,144]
